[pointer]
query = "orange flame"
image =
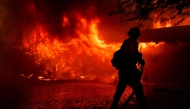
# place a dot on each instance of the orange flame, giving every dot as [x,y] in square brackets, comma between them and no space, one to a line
[85,56]
[157,24]
[74,56]
[65,21]
[149,44]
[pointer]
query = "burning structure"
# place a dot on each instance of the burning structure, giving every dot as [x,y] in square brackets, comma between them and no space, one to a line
[169,61]
[59,40]
[46,39]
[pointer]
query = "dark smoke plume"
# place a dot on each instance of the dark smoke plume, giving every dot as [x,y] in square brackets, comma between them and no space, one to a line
[49,13]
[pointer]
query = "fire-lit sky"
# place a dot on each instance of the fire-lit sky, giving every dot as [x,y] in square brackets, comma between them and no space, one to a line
[78,38]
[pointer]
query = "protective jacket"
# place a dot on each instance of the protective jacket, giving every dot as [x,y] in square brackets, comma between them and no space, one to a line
[131,53]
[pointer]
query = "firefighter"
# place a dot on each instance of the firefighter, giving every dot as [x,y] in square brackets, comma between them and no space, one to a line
[129,74]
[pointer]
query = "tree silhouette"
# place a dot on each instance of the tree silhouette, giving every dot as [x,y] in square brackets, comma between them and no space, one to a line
[151,11]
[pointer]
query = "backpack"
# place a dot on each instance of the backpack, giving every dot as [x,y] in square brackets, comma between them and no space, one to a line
[118,60]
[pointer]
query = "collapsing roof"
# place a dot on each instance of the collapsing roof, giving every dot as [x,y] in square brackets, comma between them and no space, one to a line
[168,34]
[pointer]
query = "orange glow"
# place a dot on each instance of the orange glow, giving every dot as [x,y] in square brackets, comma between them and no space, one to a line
[81,57]
[143,45]
[72,56]
[40,77]
[168,23]
[157,24]
[65,21]
[82,76]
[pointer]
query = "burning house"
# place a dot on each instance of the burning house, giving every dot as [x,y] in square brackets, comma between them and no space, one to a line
[53,40]
[167,62]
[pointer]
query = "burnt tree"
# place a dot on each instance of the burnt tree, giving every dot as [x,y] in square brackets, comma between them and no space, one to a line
[14,59]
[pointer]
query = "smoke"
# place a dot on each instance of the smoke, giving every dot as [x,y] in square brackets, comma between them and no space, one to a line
[168,62]
[169,34]
[49,13]
[27,15]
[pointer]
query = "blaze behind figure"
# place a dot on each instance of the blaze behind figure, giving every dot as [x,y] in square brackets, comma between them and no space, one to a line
[128,72]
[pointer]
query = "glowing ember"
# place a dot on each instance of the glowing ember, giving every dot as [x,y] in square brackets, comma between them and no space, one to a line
[40,77]
[26,76]
[82,76]
[65,21]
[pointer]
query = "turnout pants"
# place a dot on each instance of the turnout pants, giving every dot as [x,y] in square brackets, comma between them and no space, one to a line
[130,78]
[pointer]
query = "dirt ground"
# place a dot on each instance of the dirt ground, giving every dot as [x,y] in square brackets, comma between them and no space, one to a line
[88,95]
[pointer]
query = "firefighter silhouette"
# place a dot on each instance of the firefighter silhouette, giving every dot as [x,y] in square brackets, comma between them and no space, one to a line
[129,74]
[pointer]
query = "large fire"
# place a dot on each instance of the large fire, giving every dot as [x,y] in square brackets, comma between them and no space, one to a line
[80,57]
[83,57]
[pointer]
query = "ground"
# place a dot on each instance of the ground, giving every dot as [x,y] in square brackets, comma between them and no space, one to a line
[87,95]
